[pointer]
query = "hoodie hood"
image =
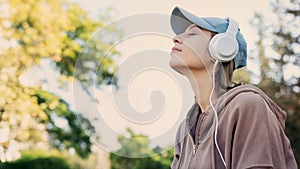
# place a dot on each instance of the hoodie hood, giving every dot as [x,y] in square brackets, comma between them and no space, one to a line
[226,98]
[230,95]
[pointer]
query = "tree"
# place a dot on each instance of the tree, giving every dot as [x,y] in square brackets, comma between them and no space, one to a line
[285,44]
[278,82]
[128,155]
[62,124]
[57,30]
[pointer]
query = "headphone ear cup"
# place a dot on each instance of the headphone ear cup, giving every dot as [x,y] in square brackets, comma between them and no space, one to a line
[223,47]
[212,49]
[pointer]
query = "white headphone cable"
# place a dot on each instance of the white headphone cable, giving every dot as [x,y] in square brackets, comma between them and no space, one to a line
[215,112]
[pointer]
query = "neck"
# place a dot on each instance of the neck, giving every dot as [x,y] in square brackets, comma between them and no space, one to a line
[201,83]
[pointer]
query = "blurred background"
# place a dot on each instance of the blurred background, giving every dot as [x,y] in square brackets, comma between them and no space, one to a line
[40,44]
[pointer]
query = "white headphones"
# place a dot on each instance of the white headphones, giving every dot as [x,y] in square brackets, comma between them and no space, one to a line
[224,46]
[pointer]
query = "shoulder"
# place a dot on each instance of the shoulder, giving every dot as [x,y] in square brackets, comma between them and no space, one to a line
[247,95]
[247,101]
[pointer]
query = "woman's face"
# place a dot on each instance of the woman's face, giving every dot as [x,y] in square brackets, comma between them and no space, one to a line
[190,51]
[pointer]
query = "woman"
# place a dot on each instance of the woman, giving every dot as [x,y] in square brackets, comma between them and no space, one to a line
[229,126]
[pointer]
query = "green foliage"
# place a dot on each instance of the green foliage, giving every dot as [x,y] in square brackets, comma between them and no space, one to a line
[72,135]
[80,50]
[38,163]
[38,160]
[241,75]
[134,146]
[118,162]
[51,159]
[130,148]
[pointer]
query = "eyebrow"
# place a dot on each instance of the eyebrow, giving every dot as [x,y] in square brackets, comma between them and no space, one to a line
[191,27]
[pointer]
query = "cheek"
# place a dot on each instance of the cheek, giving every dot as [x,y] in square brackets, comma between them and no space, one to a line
[199,48]
[196,53]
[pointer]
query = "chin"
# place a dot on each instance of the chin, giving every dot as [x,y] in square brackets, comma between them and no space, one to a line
[174,62]
[177,66]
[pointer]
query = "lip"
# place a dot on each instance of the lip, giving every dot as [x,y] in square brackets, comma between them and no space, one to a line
[175,49]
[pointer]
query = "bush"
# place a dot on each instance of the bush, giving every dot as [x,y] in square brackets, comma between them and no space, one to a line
[50,159]
[41,159]
[38,163]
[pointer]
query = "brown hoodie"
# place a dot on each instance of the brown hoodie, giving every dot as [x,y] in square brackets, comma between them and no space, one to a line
[250,134]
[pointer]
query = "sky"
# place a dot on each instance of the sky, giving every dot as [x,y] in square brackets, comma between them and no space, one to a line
[242,11]
[142,44]
[153,99]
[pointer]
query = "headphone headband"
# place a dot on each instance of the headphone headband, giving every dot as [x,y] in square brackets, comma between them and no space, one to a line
[233,27]
[224,46]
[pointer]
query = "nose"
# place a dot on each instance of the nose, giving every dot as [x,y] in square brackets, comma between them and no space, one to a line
[176,40]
